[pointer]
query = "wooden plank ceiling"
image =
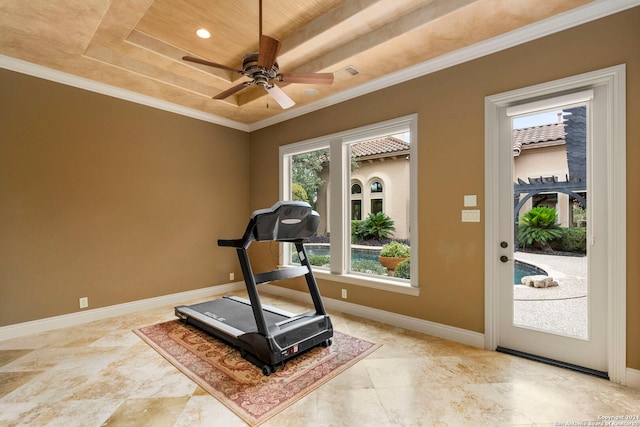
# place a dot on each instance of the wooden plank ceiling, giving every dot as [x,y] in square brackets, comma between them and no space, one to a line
[138,45]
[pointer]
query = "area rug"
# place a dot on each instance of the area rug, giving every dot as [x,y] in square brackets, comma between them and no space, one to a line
[220,370]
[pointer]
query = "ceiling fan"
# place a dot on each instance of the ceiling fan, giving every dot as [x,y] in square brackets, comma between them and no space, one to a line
[262,67]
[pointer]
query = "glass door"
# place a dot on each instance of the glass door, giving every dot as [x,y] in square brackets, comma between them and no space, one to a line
[553,290]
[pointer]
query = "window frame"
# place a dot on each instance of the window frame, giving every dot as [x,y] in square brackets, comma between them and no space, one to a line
[340,199]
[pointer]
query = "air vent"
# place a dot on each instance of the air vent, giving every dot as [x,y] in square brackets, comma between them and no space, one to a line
[352,70]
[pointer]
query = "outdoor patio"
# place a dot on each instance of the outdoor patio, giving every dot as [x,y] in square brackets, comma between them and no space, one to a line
[561,309]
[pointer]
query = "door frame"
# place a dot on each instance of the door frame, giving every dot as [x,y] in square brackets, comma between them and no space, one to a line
[613,78]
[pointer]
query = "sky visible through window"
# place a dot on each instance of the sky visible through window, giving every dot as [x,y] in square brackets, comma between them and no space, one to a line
[536,120]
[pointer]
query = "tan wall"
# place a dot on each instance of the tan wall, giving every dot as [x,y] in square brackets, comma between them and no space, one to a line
[450,105]
[545,161]
[110,200]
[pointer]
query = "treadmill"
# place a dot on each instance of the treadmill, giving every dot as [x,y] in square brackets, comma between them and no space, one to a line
[267,336]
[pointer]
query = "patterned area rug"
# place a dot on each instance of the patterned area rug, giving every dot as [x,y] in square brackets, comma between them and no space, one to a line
[219,369]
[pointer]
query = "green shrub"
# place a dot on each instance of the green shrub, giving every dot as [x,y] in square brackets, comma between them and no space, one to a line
[299,193]
[376,226]
[357,231]
[403,270]
[572,240]
[368,266]
[538,227]
[395,250]
[318,260]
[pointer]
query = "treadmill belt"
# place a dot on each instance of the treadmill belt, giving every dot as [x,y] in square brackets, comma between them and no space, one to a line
[235,314]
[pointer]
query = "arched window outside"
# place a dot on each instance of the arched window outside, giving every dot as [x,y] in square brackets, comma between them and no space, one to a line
[356,201]
[376,190]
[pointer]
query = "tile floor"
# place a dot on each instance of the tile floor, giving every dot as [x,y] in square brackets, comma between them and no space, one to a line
[101,374]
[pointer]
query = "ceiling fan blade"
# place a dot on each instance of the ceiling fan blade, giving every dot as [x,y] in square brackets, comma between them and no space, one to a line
[280,97]
[211,64]
[269,49]
[308,78]
[229,92]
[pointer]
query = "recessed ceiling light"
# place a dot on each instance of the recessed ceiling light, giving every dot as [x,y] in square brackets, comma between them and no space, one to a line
[310,92]
[203,34]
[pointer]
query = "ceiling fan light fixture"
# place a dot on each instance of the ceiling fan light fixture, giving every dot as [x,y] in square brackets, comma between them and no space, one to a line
[203,33]
[280,97]
[262,67]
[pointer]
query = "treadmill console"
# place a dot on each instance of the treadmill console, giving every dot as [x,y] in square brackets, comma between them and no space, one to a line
[285,221]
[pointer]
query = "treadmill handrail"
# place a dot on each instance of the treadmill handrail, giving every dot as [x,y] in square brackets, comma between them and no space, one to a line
[234,243]
[280,274]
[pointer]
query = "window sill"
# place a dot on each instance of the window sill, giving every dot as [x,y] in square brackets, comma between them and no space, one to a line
[368,282]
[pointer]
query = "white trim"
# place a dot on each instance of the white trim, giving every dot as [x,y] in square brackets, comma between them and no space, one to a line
[491,226]
[439,330]
[614,79]
[373,282]
[39,71]
[617,226]
[633,378]
[550,104]
[590,12]
[72,319]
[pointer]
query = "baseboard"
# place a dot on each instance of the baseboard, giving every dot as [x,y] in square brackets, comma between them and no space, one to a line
[451,333]
[633,378]
[65,320]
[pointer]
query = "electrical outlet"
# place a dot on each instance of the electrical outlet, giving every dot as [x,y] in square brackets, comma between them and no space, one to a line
[232,276]
[344,293]
[84,302]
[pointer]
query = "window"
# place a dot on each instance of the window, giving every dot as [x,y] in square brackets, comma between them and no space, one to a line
[356,210]
[376,197]
[578,210]
[356,201]
[337,194]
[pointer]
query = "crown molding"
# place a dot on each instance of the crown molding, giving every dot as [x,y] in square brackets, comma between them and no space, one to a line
[57,76]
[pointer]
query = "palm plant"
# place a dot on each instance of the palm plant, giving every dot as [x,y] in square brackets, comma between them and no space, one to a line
[539,227]
[377,225]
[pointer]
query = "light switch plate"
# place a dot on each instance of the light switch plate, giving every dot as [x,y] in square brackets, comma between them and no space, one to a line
[470,215]
[470,200]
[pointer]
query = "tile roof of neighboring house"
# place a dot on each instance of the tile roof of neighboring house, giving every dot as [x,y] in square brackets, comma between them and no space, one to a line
[382,147]
[545,135]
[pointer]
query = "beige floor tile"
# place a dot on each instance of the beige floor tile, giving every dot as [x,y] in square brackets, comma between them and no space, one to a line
[8,356]
[162,412]
[206,411]
[10,381]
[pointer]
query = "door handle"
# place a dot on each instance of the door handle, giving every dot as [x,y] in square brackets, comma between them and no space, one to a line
[504,258]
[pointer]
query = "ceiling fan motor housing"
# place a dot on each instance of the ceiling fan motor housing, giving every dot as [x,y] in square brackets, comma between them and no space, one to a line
[260,75]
